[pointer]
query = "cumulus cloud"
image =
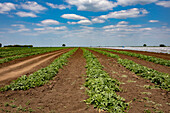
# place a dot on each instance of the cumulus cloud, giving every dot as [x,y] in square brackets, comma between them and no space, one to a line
[163,3]
[48,22]
[26,14]
[123,22]
[83,22]
[21,27]
[134,2]
[33,6]
[153,21]
[92,5]
[123,26]
[51,28]
[73,16]
[97,20]
[55,6]
[5,7]
[123,14]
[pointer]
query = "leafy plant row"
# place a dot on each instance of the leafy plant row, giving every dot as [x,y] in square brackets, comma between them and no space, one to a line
[102,89]
[162,80]
[40,77]
[7,59]
[144,57]
[19,51]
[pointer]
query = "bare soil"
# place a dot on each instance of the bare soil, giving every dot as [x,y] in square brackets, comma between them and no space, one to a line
[140,98]
[64,94]
[27,66]
[159,55]
[158,67]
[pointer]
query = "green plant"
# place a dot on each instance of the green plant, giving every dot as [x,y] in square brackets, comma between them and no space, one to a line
[40,77]
[101,88]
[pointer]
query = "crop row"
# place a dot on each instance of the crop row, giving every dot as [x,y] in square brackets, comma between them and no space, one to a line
[161,80]
[40,77]
[102,89]
[7,59]
[143,57]
[19,51]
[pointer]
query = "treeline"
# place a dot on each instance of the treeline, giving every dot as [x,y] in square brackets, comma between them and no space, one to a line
[19,46]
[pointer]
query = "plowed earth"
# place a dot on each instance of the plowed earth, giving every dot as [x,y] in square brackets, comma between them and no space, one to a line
[65,93]
[27,66]
[134,90]
[159,55]
[152,65]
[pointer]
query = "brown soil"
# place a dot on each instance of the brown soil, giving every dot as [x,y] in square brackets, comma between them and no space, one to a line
[27,66]
[133,88]
[64,94]
[152,65]
[24,58]
[159,55]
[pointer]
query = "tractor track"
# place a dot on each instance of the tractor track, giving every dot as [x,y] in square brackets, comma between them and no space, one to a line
[28,66]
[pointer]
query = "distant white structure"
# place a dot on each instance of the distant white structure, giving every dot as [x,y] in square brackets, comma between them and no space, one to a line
[149,49]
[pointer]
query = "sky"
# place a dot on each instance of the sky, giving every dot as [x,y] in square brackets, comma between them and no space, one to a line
[85,22]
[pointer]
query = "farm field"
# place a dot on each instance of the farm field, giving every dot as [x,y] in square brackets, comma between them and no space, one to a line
[148,49]
[87,80]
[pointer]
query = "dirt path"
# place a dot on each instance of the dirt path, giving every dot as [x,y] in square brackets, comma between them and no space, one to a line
[64,94]
[25,58]
[28,66]
[159,55]
[152,65]
[134,90]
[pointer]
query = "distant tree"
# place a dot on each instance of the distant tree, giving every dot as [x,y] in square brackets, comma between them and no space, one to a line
[144,45]
[162,45]
[0,45]
[63,45]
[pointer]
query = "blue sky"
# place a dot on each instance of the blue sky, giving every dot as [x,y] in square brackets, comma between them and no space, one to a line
[85,22]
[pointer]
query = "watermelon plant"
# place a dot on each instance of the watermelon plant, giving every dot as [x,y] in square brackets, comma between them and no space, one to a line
[101,88]
[41,51]
[143,57]
[40,77]
[162,80]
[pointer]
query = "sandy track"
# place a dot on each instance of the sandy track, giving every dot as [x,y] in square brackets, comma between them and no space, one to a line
[28,66]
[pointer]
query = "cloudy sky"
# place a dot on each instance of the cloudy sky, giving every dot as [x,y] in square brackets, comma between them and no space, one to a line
[85,22]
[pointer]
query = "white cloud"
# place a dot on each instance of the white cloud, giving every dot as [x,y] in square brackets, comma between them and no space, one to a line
[145,29]
[92,5]
[123,27]
[123,22]
[26,14]
[97,20]
[83,22]
[134,2]
[51,28]
[163,3]
[73,16]
[48,22]
[5,7]
[123,14]
[153,21]
[39,29]
[33,6]
[21,28]
[61,7]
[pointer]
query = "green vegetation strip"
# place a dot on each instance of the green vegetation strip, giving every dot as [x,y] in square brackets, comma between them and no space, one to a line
[144,57]
[40,77]
[7,59]
[102,89]
[162,80]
